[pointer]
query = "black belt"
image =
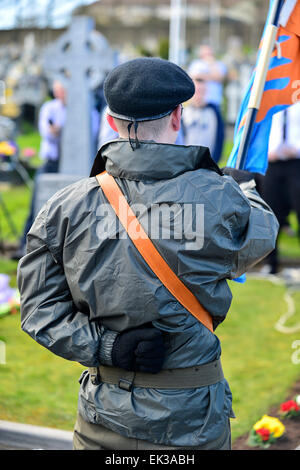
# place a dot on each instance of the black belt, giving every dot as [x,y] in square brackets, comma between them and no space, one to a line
[188,377]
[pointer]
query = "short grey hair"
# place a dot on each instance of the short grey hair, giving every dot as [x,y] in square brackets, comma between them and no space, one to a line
[147,130]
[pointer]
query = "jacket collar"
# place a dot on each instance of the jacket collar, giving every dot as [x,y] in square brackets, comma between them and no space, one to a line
[152,160]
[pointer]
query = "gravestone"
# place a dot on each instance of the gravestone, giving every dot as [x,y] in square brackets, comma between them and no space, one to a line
[31,87]
[80,59]
[20,70]
[7,128]
[30,90]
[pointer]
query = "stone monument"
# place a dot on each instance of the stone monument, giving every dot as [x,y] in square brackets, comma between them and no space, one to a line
[80,59]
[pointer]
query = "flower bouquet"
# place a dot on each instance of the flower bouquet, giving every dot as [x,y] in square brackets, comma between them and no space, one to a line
[290,408]
[28,152]
[265,432]
[7,149]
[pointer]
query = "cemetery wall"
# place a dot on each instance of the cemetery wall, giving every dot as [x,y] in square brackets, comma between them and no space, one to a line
[144,34]
[150,31]
[42,36]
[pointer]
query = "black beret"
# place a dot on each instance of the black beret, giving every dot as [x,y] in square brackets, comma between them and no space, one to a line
[147,88]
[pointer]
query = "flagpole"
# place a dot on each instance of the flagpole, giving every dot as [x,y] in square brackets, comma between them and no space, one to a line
[177,31]
[259,82]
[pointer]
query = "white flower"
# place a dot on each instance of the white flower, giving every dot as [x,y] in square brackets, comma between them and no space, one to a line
[297,400]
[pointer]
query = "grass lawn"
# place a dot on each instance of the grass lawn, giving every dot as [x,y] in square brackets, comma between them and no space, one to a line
[257,359]
[17,201]
[289,246]
[29,137]
[36,386]
[17,198]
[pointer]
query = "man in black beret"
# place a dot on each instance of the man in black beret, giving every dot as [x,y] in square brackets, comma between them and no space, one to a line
[145,91]
[150,89]
[126,273]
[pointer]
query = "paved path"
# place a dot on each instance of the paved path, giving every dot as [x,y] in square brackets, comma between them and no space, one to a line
[16,436]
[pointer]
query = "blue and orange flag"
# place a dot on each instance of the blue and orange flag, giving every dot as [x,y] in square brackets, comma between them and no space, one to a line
[281,89]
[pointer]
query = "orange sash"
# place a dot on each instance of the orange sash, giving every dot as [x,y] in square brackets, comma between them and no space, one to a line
[148,251]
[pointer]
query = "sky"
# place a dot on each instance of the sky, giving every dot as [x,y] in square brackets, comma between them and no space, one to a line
[60,15]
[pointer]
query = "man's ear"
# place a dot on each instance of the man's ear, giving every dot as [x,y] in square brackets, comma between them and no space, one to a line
[176,118]
[111,122]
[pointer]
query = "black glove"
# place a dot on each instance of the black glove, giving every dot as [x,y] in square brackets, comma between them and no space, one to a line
[240,176]
[139,349]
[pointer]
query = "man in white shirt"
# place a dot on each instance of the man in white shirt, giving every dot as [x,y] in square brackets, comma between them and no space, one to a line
[281,186]
[214,72]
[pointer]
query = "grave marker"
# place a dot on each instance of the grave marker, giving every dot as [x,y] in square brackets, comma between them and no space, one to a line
[80,59]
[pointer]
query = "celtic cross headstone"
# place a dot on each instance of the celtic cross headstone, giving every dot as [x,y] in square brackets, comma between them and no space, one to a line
[80,59]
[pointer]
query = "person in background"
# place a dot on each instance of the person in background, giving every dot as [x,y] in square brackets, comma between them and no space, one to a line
[202,122]
[281,185]
[214,73]
[51,121]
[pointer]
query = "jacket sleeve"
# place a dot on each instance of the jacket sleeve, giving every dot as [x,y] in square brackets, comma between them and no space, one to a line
[48,313]
[253,231]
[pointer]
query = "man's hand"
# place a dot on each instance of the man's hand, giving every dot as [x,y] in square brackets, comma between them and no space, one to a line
[139,349]
[55,130]
[290,152]
[273,157]
[240,176]
[284,152]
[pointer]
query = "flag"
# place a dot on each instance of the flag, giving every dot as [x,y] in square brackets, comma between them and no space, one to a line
[282,88]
